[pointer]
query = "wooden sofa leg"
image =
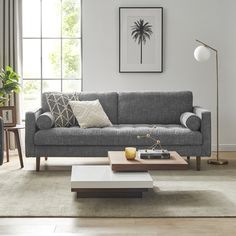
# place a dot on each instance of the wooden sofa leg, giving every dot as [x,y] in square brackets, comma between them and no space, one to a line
[198,163]
[37,164]
[188,159]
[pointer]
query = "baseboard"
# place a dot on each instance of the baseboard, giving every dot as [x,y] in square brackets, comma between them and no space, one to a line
[225,147]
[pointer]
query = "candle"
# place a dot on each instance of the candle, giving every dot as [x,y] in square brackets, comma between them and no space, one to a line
[130,153]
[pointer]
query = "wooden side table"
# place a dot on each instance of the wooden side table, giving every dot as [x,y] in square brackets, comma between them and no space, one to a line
[15,130]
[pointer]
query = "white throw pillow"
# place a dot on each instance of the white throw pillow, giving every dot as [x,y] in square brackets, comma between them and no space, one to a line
[90,114]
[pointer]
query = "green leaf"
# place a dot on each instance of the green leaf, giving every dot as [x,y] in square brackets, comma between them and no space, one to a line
[10,82]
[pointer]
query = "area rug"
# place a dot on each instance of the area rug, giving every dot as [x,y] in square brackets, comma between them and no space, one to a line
[208,193]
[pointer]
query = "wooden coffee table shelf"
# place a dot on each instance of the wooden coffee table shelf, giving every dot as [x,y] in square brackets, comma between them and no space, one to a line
[109,193]
[118,162]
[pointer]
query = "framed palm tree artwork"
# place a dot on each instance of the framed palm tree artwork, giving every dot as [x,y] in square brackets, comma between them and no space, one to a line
[141,39]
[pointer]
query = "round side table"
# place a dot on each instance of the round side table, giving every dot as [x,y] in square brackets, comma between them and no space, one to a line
[15,130]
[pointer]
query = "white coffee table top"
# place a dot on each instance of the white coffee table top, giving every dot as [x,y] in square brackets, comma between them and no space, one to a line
[94,177]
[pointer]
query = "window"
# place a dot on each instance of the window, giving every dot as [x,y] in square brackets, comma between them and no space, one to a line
[51,48]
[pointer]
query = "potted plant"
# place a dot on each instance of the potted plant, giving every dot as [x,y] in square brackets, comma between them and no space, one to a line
[9,83]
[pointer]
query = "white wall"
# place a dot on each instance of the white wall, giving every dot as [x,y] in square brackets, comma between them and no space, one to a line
[212,21]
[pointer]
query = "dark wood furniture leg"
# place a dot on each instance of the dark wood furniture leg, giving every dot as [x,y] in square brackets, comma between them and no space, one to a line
[198,163]
[7,145]
[14,130]
[17,138]
[37,164]
[188,159]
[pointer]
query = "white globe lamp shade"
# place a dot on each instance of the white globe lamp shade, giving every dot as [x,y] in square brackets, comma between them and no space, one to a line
[202,53]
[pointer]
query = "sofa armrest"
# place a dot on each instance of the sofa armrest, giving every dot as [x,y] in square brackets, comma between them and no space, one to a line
[1,140]
[205,116]
[30,130]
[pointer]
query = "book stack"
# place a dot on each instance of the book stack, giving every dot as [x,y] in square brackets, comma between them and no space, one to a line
[150,154]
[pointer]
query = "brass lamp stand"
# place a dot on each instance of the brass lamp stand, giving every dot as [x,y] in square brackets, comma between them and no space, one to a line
[201,54]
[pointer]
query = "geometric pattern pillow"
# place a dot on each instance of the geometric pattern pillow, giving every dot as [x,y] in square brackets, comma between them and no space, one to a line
[90,114]
[60,108]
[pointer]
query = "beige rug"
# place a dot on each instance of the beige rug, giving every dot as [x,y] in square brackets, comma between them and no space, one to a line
[208,193]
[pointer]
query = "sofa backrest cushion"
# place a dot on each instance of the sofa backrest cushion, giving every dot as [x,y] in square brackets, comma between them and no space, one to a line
[153,107]
[108,101]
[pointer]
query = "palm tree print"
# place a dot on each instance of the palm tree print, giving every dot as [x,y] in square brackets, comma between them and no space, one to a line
[141,31]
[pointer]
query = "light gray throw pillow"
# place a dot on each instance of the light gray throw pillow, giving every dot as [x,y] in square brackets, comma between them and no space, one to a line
[90,114]
[59,107]
[191,121]
[45,121]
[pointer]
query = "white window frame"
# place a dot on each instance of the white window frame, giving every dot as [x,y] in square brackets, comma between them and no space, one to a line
[61,38]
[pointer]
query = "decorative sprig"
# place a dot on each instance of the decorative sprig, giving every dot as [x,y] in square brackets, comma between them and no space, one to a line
[157,142]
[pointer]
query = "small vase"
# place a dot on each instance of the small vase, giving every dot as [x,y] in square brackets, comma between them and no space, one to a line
[130,153]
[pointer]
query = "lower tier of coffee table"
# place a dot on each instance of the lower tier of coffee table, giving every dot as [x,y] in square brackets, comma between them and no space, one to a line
[101,181]
[109,193]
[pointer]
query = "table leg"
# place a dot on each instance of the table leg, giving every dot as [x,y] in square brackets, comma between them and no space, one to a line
[7,145]
[17,137]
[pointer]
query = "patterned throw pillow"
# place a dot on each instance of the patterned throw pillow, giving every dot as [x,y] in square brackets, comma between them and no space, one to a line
[90,114]
[59,106]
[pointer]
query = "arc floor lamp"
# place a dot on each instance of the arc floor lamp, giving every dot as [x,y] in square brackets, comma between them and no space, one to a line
[202,53]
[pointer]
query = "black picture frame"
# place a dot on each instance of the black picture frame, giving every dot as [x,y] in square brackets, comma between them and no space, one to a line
[160,66]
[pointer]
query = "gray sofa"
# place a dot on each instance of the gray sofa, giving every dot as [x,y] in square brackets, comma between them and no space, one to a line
[132,114]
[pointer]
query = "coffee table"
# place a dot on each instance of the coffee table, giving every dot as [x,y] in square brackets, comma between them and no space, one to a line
[101,181]
[118,162]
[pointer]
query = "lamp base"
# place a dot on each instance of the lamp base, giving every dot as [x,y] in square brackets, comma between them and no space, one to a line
[217,162]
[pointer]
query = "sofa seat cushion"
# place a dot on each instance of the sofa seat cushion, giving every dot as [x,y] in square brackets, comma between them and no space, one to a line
[125,135]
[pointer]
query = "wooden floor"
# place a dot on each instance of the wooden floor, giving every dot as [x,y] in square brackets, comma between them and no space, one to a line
[73,226]
[117,226]
[76,226]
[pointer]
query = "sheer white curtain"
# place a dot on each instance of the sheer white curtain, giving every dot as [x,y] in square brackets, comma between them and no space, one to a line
[11,41]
